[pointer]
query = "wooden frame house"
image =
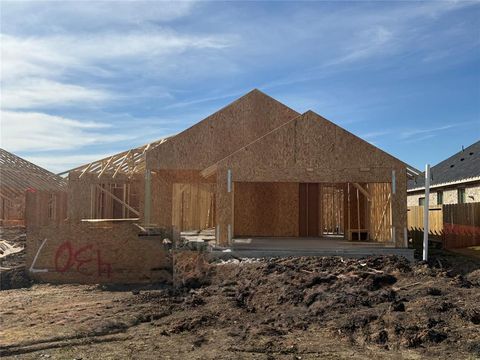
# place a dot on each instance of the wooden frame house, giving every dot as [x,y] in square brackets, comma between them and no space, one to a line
[18,178]
[255,168]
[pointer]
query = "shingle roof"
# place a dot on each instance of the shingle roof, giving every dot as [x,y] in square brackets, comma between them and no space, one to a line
[462,166]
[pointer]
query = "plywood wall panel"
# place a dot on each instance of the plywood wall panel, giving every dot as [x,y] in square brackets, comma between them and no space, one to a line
[96,253]
[266,209]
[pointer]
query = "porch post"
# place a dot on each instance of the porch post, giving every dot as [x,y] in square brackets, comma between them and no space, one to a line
[148,197]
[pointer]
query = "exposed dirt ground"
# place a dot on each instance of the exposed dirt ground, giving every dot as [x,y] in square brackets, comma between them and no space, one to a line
[294,308]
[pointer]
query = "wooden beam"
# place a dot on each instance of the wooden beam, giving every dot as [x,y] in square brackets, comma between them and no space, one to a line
[121,163]
[148,197]
[362,190]
[108,220]
[86,169]
[358,214]
[6,198]
[118,199]
[383,217]
[105,167]
[209,171]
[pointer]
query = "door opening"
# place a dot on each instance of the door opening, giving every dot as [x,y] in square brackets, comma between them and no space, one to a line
[332,211]
[309,210]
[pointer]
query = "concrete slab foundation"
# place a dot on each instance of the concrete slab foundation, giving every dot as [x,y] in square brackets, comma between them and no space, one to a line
[285,247]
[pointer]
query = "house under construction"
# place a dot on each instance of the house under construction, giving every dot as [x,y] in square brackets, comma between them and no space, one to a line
[19,176]
[255,169]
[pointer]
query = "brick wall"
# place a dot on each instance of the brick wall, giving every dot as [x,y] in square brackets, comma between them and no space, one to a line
[450,195]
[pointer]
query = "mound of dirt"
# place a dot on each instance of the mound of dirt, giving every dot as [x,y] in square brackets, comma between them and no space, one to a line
[380,301]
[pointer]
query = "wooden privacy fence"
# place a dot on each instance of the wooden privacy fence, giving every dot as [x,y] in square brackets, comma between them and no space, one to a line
[454,225]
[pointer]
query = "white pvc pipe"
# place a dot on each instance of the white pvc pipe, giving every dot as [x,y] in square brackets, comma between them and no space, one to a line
[426,207]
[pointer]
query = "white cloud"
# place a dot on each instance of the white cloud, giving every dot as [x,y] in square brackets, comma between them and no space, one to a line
[415,132]
[28,131]
[33,69]
[374,134]
[38,93]
[368,43]
[84,15]
[412,135]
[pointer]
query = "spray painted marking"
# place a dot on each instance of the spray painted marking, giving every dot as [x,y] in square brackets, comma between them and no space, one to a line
[32,269]
[67,257]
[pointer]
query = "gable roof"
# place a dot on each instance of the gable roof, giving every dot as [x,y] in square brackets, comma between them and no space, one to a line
[461,167]
[242,122]
[135,160]
[218,135]
[17,175]
[309,141]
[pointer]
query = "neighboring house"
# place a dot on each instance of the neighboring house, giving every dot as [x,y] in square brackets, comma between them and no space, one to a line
[455,180]
[17,176]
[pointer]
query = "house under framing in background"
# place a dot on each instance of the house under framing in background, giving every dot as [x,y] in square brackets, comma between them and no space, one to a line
[255,168]
[19,176]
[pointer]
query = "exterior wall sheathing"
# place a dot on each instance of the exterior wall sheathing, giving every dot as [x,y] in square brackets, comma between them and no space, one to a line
[309,149]
[96,253]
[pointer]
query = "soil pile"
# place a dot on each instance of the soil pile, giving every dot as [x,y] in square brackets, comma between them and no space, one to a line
[385,302]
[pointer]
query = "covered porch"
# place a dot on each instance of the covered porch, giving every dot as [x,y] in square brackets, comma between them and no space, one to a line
[307,213]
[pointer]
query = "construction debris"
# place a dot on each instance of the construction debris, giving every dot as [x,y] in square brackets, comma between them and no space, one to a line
[7,249]
[13,274]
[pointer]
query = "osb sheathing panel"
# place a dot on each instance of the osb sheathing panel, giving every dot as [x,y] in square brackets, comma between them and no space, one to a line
[96,253]
[220,134]
[310,149]
[266,209]
[80,193]
[162,192]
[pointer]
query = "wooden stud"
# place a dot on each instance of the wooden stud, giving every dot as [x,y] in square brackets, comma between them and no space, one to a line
[105,191]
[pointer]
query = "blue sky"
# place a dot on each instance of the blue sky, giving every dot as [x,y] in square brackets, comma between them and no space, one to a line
[82,79]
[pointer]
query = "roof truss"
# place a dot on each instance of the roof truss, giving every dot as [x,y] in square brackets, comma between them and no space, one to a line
[127,162]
